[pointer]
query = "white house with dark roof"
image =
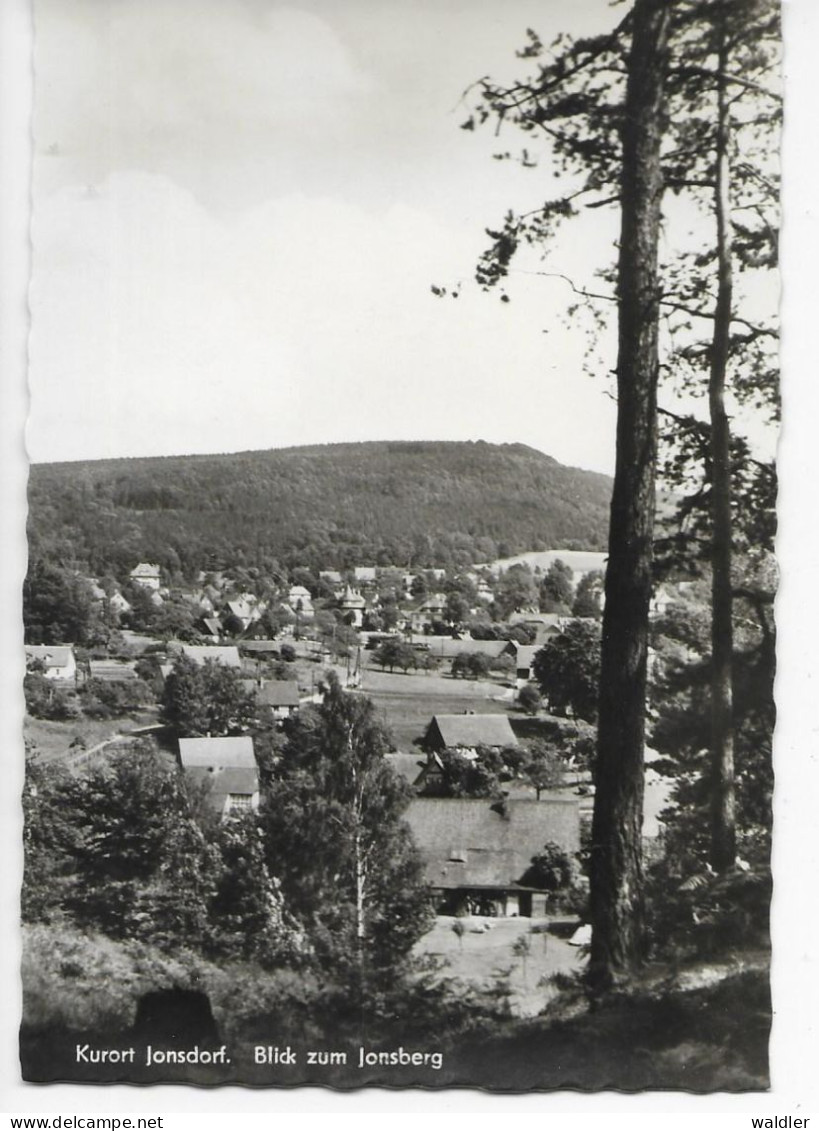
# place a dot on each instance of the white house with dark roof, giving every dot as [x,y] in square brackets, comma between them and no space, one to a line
[281,696]
[57,660]
[430,609]
[119,604]
[300,601]
[352,606]
[227,767]
[146,574]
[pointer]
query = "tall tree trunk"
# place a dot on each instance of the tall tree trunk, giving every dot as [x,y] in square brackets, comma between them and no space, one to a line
[723,828]
[616,857]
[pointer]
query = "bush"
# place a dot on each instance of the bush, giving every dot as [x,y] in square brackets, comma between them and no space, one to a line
[45,701]
[550,870]
[102,699]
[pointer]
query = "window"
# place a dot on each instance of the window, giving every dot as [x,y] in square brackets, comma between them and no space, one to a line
[237,802]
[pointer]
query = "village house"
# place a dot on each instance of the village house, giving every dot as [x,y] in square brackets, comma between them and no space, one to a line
[544,625]
[211,627]
[111,671]
[661,601]
[477,853]
[146,574]
[353,607]
[300,601]
[281,695]
[118,604]
[246,609]
[57,661]
[364,575]
[227,768]
[430,610]
[524,657]
[264,649]
[466,733]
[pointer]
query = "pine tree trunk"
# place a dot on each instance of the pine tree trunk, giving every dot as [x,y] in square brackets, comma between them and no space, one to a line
[723,829]
[616,856]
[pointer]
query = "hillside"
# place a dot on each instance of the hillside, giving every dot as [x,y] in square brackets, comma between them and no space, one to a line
[413,503]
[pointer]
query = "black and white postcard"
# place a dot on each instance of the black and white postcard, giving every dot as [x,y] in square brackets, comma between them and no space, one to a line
[399,608]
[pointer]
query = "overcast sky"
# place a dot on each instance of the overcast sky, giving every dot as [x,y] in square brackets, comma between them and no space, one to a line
[240,207]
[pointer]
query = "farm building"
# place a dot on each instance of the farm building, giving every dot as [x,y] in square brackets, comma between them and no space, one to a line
[227,766]
[281,695]
[524,658]
[57,661]
[111,671]
[468,732]
[477,853]
[431,609]
[260,648]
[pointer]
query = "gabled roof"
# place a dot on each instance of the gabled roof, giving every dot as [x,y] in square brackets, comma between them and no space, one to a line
[260,646]
[217,753]
[470,731]
[546,625]
[227,655]
[279,693]
[221,783]
[433,601]
[145,569]
[52,655]
[478,843]
[111,671]
[241,609]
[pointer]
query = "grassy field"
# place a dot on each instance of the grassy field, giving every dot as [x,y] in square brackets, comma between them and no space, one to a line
[486,958]
[50,740]
[408,702]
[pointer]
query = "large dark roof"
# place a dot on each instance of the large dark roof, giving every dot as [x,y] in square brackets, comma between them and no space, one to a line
[471,731]
[479,843]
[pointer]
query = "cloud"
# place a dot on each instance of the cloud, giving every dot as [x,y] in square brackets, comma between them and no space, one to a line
[224,96]
[158,328]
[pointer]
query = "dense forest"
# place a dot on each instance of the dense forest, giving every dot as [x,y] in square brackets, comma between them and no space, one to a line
[417,504]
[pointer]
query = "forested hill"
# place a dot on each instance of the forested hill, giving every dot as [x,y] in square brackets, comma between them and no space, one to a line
[413,504]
